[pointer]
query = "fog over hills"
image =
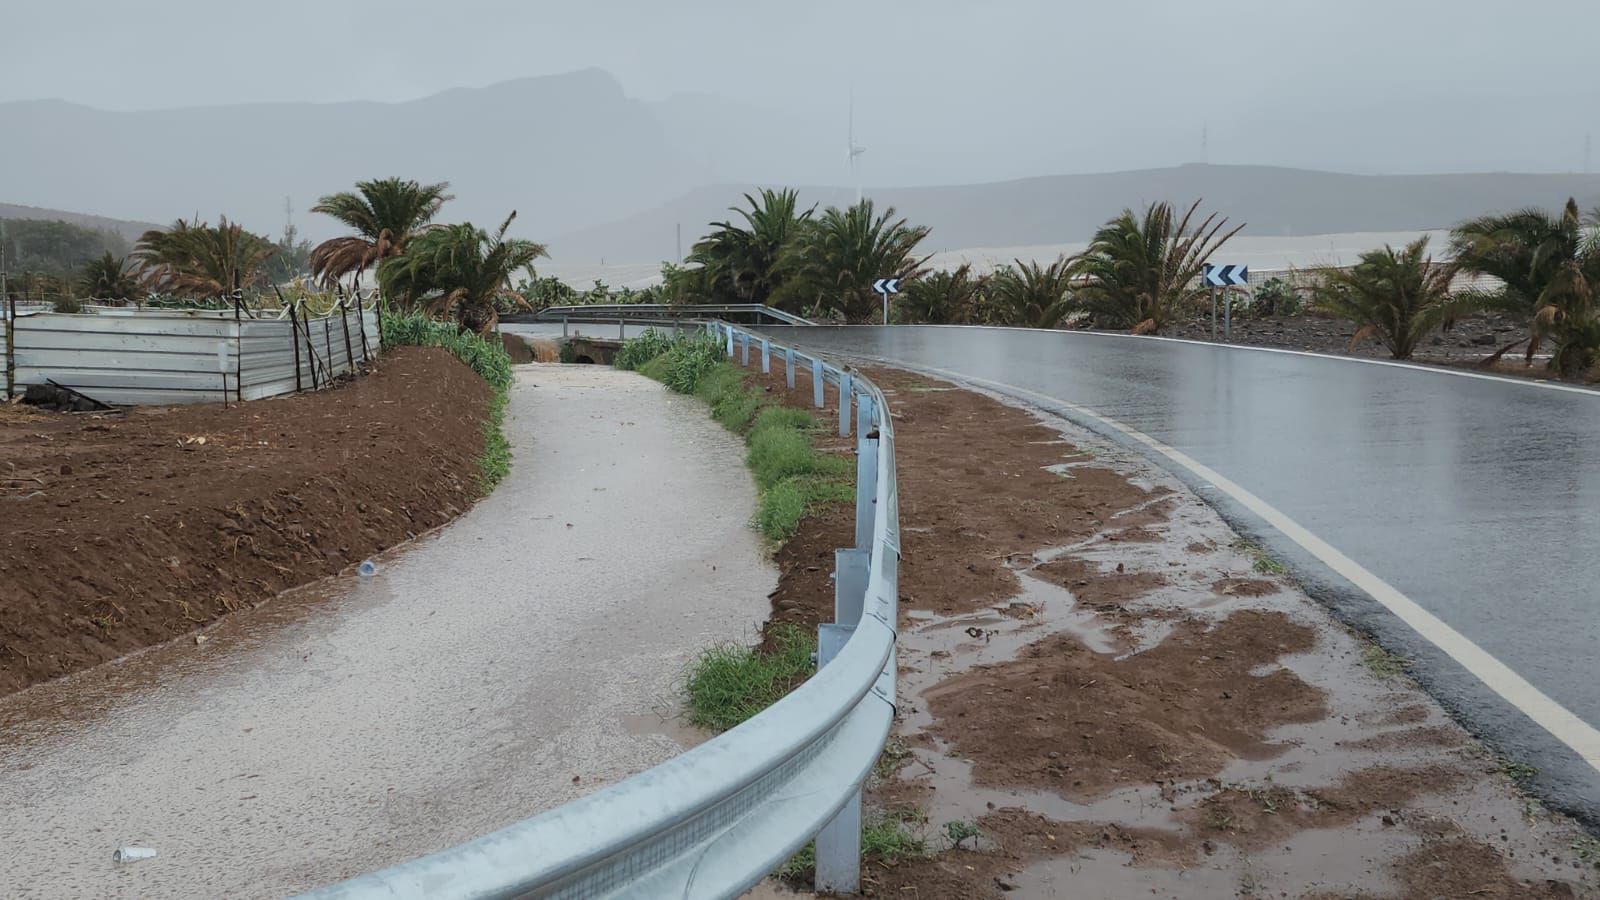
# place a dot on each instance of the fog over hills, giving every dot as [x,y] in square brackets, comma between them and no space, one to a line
[564,150]
[599,175]
[1066,208]
[129,230]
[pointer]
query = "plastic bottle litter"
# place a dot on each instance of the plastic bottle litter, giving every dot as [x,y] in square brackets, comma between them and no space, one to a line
[132,854]
[368,568]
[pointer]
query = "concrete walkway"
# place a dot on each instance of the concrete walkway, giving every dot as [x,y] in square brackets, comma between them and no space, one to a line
[519,658]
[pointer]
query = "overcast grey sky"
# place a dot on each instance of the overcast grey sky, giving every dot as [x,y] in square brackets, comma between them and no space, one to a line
[945,91]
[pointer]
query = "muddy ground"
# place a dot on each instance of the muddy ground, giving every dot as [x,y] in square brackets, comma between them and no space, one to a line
[1127,701]
[122,530]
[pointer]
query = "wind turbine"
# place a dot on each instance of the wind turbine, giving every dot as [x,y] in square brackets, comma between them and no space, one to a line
[855,149]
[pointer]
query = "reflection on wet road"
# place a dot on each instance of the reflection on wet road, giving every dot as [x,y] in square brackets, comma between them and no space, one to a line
[506,664]
[1477,498]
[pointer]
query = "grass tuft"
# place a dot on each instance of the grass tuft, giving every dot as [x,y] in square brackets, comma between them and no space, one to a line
[1382,663]
[884,838]
[730,683]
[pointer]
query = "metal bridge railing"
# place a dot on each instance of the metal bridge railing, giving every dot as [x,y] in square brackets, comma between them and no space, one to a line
[715,820]
[748,313]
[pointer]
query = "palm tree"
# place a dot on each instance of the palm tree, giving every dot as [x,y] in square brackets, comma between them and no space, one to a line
[741,262]
[950,297]
[1548,267]
[1143,271]
[834,259]
[1031,295]
[1400,297]
[109,278]
[385,214]
[197,260]
[459,272]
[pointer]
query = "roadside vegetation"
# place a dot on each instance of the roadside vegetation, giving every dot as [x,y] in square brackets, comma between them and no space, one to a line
[486,357]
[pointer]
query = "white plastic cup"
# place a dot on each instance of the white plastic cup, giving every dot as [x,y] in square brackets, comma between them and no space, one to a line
[132,854]
[368,568]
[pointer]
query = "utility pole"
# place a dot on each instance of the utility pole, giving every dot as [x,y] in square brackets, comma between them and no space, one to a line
[1588,153]
[680,242]
[1205,145]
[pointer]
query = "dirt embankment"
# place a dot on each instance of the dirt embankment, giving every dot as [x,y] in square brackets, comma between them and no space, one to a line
[124,530]
[1127,701]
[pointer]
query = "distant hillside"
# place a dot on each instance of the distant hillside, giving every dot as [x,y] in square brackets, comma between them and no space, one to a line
[564,150]
[1064,208]
[127,229]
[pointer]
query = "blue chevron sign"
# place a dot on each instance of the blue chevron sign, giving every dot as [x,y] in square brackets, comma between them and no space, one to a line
[1224,276]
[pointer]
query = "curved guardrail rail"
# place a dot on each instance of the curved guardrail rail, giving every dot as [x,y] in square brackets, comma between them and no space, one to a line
[718,818]
[753,313]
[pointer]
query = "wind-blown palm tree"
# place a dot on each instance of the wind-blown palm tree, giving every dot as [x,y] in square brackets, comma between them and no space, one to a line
[835,258]
[1030,295]
[1549,267]
[459,272]
[1399,297]
[385,214]
[741,262]
[1141,271]
[198,260]
[109,278]
[950,297]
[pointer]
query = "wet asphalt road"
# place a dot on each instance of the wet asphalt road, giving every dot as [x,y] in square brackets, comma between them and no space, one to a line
[517,658]
[1477,498]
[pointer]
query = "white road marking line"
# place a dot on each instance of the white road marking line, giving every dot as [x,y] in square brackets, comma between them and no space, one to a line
[1394,364]
[1560,722]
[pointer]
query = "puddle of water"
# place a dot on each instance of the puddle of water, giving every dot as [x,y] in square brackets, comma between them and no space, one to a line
[670,724]
[1109,875]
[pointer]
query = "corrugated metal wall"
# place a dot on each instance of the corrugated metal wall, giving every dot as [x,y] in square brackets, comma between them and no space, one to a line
[127,357]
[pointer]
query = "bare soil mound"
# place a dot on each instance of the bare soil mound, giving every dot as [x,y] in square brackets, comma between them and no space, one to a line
[124,530]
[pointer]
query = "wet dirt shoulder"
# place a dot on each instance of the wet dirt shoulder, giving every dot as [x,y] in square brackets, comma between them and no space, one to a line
[1126,699]
[125,530]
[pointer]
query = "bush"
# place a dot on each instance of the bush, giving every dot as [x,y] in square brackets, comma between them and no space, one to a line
[1276,297]
[642,349]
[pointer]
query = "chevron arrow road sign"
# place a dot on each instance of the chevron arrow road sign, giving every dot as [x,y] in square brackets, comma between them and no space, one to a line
[887,285]
[1227,275]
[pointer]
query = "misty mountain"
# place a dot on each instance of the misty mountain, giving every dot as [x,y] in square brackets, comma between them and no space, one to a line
[128,230]
[1065,208]
[564,150]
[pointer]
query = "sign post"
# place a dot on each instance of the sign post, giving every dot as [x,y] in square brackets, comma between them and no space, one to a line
[1224,276]
[885,287]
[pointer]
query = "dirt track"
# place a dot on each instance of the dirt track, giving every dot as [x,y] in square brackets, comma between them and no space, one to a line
[1128,701]
[123,530]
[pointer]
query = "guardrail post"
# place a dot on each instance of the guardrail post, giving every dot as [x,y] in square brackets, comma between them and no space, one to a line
[838,869]
[788,366]
[766,357]
[563,326]
[866,473]
[622,329]
[730,340]
[817,384]
[844,404]
[744,348]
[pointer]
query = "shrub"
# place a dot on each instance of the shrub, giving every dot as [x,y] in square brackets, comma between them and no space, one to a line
[1276,297]
[642,349]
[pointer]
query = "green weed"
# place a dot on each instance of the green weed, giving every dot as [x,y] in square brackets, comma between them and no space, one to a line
[1382,663]
[1588,849]
[960,830]
[729,683]
[884,838]
[782,506]
[1518,771]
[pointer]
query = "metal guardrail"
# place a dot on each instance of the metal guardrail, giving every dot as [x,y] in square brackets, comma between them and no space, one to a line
[715,820]
[749,313]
